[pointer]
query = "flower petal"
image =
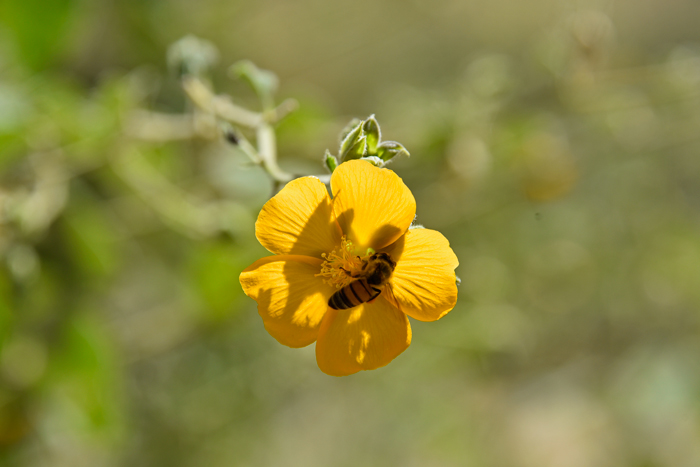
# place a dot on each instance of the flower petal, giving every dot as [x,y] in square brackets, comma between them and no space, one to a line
[373,206]
[291,300]
[299,220]
[362,338]
[423,282]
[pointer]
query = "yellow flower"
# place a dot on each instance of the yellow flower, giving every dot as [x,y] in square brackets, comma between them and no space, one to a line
[320,243]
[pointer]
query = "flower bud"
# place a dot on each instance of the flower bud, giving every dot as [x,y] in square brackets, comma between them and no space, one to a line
[192,56]
[370,129]
[353,145]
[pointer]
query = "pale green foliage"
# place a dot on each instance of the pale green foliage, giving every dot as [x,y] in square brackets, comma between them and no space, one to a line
[264,82]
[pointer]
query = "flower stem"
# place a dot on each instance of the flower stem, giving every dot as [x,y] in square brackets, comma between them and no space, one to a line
[267,149]
[221,107]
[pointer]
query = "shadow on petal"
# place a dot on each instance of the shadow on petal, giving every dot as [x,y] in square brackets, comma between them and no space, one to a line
[299,220]
[380,236]
[366,337]
[291,299]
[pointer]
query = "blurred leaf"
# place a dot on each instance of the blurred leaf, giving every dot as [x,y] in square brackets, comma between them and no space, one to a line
[13,147]
[192,55]
[15,421]
[85,375]
[39,27]
[17,113]
[16,107]
[41,299]
[91,234]
[23,360]
[215,270]
[58,117]
[263,82]
[6,304]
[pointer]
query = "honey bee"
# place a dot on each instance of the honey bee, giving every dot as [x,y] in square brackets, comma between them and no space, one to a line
[375,273]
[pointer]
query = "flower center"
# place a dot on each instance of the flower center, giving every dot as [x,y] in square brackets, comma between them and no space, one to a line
[341,264]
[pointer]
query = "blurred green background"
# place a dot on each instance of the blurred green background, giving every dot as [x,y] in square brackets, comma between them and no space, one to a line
[555,143]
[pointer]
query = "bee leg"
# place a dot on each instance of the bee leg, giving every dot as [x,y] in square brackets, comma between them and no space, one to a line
[364,263]
[348,273]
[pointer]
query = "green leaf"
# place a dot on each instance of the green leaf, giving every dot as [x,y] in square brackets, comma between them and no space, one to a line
[330,161]
[390,149]
[372,132]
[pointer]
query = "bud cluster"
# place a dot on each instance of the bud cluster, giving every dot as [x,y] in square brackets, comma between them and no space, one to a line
[362,139]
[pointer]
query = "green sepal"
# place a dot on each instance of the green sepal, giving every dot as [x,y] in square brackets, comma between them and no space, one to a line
[371,130]
[263,82]
[349,143]
[358,150]
[387,150]
[330,161]
[350,127]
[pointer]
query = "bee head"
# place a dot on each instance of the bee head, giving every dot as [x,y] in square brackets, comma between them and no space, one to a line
[381,256]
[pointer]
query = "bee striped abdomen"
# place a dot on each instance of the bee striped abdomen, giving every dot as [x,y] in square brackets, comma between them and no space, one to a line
[352,295]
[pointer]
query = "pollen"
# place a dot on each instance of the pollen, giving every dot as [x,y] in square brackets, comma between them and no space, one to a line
[340,265]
